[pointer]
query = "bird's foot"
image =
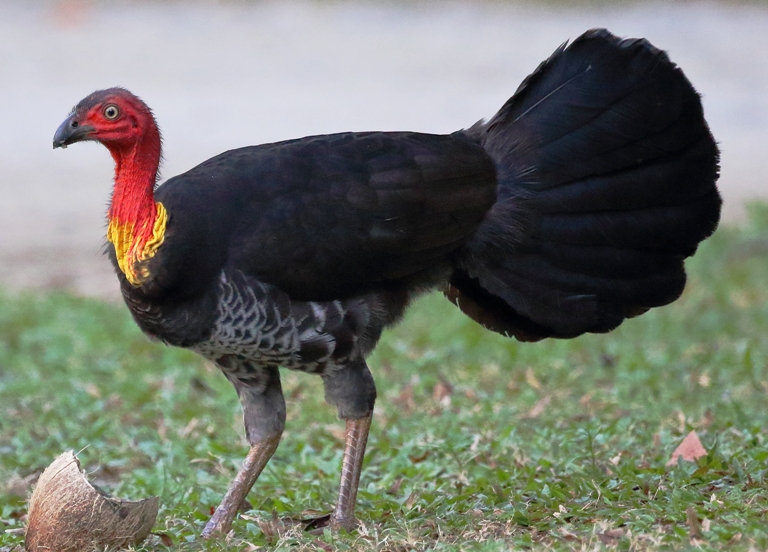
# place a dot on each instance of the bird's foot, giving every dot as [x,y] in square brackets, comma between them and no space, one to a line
[343,516]
[347,524]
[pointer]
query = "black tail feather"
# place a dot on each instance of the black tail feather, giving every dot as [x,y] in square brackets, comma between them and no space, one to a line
[607,174]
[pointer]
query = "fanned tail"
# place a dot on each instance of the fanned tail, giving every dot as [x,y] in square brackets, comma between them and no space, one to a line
[607,172]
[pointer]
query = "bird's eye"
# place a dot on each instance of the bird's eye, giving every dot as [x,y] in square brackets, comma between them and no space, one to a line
[111,112]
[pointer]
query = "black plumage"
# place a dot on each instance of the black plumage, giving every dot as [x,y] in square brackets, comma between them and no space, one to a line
[569,211]
[328,217]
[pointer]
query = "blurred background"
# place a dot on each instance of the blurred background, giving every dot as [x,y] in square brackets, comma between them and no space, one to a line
[220,75]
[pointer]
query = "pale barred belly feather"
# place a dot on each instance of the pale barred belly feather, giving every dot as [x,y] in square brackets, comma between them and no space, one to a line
[257,325]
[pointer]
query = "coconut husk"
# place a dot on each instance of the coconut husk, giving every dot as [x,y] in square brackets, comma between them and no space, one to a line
[68,514]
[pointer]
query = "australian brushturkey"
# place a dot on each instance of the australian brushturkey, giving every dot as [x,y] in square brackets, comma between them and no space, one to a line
[572,209]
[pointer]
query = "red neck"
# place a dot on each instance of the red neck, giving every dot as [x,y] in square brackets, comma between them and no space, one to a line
[136,169]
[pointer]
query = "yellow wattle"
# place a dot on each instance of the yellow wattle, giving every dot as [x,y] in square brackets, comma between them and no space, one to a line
[130,250]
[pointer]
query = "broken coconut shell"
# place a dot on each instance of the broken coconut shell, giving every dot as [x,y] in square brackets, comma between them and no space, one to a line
[68,514]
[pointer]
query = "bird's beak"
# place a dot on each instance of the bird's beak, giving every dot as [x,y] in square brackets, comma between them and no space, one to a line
[71,131]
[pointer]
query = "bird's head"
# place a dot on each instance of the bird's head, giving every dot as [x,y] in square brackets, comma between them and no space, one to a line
[125,125]
[114,117]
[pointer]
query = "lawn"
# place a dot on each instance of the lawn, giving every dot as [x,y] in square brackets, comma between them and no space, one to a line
[479,442]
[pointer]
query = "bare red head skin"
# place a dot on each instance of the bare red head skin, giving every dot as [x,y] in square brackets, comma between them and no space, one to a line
[125,125]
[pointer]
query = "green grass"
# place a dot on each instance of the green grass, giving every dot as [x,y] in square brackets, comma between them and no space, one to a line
[479,442]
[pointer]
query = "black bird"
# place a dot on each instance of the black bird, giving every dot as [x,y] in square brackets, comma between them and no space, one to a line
[570,210]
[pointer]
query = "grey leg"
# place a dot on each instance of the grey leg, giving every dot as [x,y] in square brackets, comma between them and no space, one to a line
[264,415]
[352,390]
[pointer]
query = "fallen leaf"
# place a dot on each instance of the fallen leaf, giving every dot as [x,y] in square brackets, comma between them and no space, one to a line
[689,450]
[395,487]
[92,390]
[324,546]
[164,538]
[442,391]
[611,536]
[272,528]
[530,378]
[539,407]
[568,535]
[681,419]
[189,428]
[694,527]
[420,458]
[315,524]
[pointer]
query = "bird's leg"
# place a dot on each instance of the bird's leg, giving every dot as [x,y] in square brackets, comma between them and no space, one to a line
[257,458]
[352,390]
[354,448]
[264,415]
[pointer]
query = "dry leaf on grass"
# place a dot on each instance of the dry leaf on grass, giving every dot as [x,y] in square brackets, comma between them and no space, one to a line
[568,535]
[531,379]
[164,538]
[694,527]
[395,487]
[689,450]
[611,537]
[538,408]
[442,392]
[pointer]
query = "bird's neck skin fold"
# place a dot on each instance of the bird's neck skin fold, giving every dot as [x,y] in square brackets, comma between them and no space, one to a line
[136,222]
